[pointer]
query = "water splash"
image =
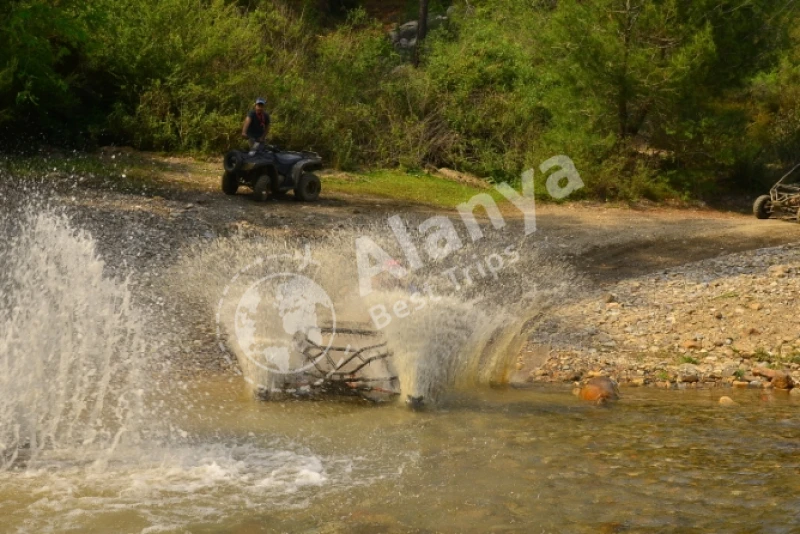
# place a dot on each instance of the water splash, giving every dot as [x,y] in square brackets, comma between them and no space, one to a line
[464,333]
[70,349]
[91,430]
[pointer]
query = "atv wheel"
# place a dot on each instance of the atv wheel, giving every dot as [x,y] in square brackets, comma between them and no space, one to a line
[308,188]
[230,183]
[762,207]
[233,160]
[261,188]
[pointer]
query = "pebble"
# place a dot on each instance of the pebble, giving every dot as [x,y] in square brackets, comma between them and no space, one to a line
[720,316]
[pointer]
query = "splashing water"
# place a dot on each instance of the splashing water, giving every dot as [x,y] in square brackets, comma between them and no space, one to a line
[448,334]
[70,349]
[88,429]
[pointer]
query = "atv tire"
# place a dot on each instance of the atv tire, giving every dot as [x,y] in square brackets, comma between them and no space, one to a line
[762,207]
[233,161]
[261,188]
[308,188]
[230,183]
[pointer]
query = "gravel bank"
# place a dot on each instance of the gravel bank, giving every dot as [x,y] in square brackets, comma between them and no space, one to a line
[733,320]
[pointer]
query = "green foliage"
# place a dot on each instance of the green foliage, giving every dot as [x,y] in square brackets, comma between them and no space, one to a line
[650,98]
[41,44]
[181,71]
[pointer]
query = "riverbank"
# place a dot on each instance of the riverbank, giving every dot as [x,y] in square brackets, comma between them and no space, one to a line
[684,297]
[729,321]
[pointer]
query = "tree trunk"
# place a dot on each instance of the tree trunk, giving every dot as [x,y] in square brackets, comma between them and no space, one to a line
[422,28]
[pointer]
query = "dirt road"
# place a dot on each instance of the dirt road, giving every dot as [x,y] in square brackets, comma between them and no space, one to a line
[606,242]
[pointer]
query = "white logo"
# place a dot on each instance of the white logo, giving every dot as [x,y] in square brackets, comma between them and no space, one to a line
[279,315]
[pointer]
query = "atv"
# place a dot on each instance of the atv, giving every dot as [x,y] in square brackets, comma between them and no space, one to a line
[270,170]
[784,197]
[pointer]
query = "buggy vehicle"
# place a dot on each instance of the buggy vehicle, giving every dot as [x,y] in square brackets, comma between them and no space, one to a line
[270,170]
[352,360]
[783,198]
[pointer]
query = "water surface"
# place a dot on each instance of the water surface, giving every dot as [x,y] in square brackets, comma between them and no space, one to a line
[485,461]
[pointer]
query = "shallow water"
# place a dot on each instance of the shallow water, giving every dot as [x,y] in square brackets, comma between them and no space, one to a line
[485,461]
[111,439]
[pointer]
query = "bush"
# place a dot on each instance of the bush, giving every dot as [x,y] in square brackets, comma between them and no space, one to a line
[651,99]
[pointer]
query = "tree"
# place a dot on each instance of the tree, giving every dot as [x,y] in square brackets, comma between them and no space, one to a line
[42,48]
[422,28]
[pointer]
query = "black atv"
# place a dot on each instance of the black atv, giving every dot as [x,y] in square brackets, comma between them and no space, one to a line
[272,171]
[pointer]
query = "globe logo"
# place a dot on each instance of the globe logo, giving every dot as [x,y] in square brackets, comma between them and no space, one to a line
[279,315]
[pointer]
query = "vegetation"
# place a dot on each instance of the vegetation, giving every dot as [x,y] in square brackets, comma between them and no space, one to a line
[416,187]
[651,98]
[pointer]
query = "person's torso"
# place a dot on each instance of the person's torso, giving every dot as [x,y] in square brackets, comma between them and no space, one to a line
[258,124]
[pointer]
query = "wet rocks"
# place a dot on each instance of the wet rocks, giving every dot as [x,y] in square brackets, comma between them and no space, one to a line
[598,390]
[727,401]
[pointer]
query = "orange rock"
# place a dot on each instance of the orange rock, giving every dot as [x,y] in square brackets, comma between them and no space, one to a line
[599,389]
[779,379]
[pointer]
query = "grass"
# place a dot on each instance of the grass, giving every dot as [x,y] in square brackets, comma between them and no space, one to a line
[138,172]
[689,359]
[418,188]
[761,355]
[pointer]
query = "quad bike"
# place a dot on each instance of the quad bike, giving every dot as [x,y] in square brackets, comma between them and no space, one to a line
[272,171]
[784,197]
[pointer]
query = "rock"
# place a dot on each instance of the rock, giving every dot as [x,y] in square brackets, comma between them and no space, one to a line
[727,401]
[408,30]
[740,384]
[405,36]
[778,379]
[599,389]
[691,345]
[688,373]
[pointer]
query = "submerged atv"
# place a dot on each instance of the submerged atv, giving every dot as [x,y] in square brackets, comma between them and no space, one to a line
[784,197]
[272,171]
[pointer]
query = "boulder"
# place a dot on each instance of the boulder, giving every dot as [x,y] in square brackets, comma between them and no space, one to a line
[599,389]
[778,379]
[405,35]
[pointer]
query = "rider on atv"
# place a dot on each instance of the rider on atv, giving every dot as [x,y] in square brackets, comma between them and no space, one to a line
[256,125]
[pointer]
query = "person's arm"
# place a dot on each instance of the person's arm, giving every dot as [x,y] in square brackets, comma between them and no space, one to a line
[245,126]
